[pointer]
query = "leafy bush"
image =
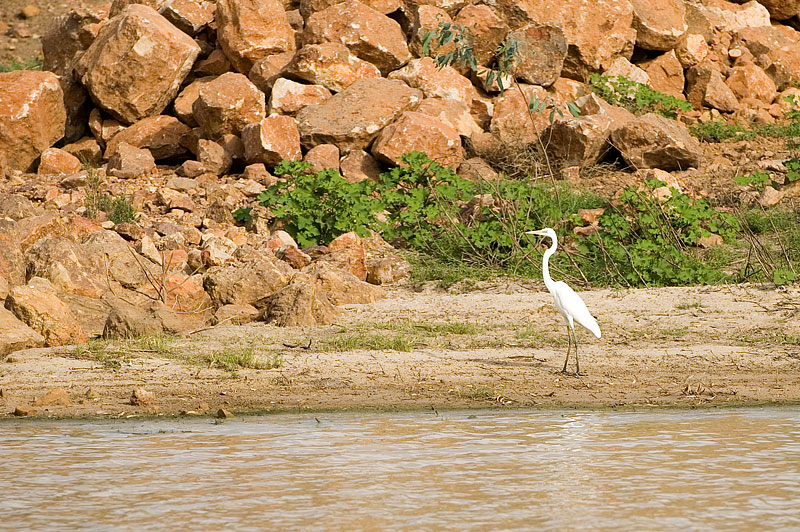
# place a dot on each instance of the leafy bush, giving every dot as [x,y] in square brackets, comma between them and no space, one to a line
[30,64]
[645,243]
[637,97]
[317,207]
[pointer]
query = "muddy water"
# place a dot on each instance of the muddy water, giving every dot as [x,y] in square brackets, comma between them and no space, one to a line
[485,470]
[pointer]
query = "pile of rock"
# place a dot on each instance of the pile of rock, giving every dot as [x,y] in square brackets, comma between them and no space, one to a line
[187,105]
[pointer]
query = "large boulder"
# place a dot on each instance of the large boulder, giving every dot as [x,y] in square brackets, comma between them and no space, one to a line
[375,37]
[512,122]
[250,30]
[299,304]
[12,262]
[579,141]
[659,25]
[137,63]
[779,9]
[776,50]
[127,320]
[38,306]
[419,132]
[666,74]
[705,86]
[453,113]
[248,283]
[32,116]
[161,134]
[435,82]
[750,81]
[331,65]
[15,335]
[596,31]
[353,117]
[542,50]
[272,140]
[340,286]
[487,28]
[288,97]
[652,141]
[228,104]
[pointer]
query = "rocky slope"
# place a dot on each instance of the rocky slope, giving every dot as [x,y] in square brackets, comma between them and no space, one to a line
[186,106]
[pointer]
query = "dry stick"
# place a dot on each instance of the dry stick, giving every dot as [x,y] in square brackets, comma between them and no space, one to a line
[780,241]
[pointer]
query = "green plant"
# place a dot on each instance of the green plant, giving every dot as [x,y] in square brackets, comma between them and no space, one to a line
[118,209]
[317,207]
[644,242]
[720,131]
[757,180]
[30,64]
[637,97]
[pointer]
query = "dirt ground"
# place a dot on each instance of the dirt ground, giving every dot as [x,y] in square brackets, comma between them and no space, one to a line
[498,345]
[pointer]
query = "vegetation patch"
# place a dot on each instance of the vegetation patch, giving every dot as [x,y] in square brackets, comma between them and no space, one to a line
[636,97]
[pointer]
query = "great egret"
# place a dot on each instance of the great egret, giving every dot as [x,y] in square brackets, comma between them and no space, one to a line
[567,302]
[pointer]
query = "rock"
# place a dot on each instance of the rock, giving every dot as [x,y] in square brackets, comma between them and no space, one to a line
[57,396]
[446,83]
[299,304]
[216,64]
[24,411]
[652,141]
[579,141]
[710,241]
[770,196]
[384,265]
[37,305]
[346,252]
[16,207]
[228,104]
[477,169]
[706,87]
[87,149]
[750,81]
[451,112]
[272,140]
[151,318]
[341,286]
[775,50]
[136,65]
[331,65]
[781,9]
[419,132]
[596,32]
[118,6]
[487,28]
[359,165]
[512,123]
[352,118]
[235,315]
[266,71]
[55,161]
[141,397]
[250,30]
[622,67]
[288,96]
[308,7]
[542,50]
[666,74]
[16,335]
[32,116]
[247,283]
[160,134]
[129,161]
[426,19]
[691,50]
[190,16]
[659,25]
[323,157]
[375,38]
[224,414]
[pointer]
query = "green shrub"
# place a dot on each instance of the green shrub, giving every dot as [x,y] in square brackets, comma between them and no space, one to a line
[637,97]
[317,207]
[30,64]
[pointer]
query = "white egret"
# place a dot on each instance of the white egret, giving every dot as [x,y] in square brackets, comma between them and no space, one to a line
[567,302]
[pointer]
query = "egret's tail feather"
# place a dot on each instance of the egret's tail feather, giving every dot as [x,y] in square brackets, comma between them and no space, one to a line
[592,325]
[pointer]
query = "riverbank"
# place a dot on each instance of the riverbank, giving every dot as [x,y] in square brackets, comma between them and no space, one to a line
[498,344]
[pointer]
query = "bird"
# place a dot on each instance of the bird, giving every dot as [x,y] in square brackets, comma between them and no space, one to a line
[568,303]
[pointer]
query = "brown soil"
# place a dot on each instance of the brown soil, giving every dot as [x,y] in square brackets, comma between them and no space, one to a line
[685,347]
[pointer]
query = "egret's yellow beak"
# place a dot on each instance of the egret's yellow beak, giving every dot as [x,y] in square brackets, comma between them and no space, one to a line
[539,232]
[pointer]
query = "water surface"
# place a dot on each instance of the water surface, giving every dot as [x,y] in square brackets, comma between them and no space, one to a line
[736,469]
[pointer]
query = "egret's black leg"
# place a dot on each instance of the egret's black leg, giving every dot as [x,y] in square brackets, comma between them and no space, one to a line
[569,346]
[577,364]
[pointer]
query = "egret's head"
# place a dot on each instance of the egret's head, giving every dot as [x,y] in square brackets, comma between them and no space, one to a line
[543,232]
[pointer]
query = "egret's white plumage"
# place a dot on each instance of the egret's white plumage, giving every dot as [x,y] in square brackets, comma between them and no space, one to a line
[568,303]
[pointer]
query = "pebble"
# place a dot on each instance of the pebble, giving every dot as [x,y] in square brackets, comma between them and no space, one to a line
[29,11]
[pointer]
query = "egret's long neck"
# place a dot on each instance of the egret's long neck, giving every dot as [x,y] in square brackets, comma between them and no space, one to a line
[548,282]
